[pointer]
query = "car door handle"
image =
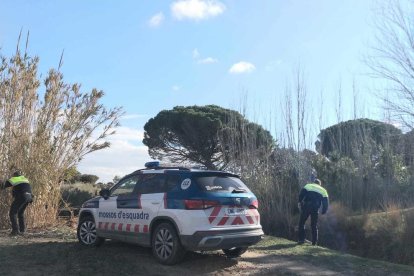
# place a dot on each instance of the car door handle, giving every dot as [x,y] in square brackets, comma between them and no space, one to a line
[123,203]
[155,202]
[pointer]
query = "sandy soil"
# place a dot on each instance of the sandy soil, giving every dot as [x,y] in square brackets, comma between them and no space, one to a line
[59,253]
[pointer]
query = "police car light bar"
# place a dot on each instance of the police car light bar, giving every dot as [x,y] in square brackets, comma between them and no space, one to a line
[152,164]
[159,165]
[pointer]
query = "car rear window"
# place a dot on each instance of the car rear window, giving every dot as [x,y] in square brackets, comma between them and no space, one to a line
[219,183]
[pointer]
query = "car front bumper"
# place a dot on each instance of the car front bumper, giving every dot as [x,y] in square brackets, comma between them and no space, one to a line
[221,239]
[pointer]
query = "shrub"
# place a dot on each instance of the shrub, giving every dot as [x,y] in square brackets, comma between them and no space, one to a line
[333,227]
[76,194]
[383,234]
[88,178]
[387,236]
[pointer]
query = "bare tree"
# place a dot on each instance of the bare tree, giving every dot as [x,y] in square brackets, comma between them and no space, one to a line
[296,112]
[355,94]
[338,108]
[321,118]
[392,57]
[287,112]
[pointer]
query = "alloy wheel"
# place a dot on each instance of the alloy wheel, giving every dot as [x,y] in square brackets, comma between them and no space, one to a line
[87,232]
[164,243]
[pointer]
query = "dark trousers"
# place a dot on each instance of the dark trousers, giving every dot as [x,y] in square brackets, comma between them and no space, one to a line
[17,209]
[306,212]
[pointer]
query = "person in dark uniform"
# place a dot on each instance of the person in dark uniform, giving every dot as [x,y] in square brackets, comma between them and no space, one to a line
[311,197]
[22,196]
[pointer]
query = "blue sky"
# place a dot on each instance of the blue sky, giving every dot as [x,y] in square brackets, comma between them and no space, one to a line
[153,55]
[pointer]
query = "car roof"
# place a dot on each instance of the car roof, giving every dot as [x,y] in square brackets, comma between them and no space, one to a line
[181,170]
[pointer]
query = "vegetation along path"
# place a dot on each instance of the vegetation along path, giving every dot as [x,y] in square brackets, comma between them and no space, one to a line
[56,252]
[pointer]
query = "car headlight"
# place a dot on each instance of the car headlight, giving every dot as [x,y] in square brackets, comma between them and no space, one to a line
[90,204]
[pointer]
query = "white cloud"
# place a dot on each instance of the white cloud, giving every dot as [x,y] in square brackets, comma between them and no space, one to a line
[242,67]
[133,116]
[127,134]
[196,9]
[197,57]
[125,155]
[176,88]
[208,60]
[156,20]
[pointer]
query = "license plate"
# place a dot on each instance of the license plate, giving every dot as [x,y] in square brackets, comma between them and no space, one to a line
[236,211]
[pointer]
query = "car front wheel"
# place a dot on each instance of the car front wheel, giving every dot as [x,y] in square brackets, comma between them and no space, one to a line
[166,245]
[87,232]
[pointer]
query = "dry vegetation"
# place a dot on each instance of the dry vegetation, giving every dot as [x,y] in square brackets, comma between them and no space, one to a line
[47,128]
[44,129]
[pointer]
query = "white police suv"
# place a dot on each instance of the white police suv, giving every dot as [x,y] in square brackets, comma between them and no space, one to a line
[172,210]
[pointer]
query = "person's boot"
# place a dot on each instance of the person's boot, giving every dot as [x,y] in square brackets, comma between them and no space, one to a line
[22,225]
[22,228]
[14,233]
[304,241]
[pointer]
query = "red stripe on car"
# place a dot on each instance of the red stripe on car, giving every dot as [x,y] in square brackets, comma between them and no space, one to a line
[237,221]
[106,226]
[223,221]
[145,229]
[214,213]
[120,226]
[136,228]
[128,228]
[113,226]
[250,219]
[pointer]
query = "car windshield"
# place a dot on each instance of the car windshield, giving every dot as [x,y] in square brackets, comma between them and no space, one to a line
[219,183]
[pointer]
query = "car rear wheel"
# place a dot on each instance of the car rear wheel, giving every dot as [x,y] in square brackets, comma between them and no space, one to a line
[166,245]
[87,232]
[235,252]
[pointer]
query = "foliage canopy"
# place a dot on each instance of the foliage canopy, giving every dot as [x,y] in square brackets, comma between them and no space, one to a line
[359,137]
[207,135]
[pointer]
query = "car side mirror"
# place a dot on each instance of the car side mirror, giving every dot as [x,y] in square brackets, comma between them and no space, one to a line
[105,193]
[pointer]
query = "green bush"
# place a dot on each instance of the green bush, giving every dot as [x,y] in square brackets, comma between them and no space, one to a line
[73,195]
[88,178]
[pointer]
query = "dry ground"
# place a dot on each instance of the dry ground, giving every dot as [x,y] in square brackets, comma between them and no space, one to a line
[56,252]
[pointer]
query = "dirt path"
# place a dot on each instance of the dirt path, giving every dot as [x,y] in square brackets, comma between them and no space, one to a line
[58,253]
[255,263]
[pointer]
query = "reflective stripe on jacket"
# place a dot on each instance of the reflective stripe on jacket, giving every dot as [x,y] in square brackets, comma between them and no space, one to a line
[316,188]
[16,180]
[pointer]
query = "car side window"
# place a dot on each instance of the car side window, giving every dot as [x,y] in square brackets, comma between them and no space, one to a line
[126,186]
[172,181]
[151,183]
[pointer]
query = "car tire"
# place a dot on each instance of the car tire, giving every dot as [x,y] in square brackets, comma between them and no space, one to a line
[166,245]
[87,232]
[235,252]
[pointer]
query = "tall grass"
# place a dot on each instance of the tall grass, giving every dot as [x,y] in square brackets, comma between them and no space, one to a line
[45,129]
